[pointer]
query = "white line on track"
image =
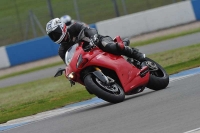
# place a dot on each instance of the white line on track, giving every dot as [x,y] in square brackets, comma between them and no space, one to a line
[197,130]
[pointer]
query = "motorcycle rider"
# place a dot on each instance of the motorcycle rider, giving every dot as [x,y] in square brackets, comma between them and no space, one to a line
[66,36]
[68,20]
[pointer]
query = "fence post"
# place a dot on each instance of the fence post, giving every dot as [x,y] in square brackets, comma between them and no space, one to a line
[18,17]
[39,24]
[77,10]
[50,9]
[116,8]
[124,7]
[27,29]
[33,24]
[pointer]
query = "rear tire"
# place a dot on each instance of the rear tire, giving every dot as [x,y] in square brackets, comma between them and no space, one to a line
[96,87]
[159,79]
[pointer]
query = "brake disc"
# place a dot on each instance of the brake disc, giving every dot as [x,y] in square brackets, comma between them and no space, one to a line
[112,88]
[152,66]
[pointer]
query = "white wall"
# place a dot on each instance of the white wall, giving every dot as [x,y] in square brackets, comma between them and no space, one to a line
[147,21]
[4,61]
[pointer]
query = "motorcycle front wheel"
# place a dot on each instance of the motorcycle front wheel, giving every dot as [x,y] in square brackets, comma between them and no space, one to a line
[111,93]
[159,79]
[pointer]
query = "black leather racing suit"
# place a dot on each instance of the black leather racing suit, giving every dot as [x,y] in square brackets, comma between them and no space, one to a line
[105,43]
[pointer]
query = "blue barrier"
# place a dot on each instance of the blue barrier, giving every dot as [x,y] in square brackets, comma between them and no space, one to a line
[32,50]
[196,8]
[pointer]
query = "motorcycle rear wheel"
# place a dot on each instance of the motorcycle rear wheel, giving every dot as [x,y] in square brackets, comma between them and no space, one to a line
[159,79]
[112,94]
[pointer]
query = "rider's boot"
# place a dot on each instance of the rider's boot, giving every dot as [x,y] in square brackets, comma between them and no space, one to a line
[126,42]
[133,53]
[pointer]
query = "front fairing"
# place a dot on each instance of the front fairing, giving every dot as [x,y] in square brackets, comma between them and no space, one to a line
[74,57]
[70,60]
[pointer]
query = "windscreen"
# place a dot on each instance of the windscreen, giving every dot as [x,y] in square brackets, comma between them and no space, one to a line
[70,53]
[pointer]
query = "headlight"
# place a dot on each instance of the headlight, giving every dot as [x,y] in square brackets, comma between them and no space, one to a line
[72,76]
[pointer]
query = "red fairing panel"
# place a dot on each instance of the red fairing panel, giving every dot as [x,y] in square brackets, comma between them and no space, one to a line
[128,74]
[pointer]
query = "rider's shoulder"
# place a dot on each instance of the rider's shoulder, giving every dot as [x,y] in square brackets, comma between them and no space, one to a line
[74,25]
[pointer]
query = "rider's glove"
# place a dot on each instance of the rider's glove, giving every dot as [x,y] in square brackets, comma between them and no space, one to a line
[90,46]
[93,42]
[94,39]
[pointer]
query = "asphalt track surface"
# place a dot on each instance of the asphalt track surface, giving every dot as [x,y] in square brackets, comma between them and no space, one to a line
[172,110]
[148,49]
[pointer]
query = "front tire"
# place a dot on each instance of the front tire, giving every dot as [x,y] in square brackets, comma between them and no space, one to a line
[112,94]
[159,79]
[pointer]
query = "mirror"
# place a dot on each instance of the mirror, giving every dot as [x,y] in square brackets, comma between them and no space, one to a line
[59,72]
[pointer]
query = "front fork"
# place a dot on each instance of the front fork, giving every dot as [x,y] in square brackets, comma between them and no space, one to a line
[103,78]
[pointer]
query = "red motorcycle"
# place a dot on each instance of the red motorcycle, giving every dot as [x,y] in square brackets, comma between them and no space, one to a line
[111,77]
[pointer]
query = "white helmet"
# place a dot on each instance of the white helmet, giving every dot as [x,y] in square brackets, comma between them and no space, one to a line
[56,30]
[66,19]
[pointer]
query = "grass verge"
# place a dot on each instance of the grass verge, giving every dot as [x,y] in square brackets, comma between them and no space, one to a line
[47,94]
[38,96]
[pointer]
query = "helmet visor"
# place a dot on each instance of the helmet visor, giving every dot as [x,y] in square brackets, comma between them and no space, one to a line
[68,23]
[56,34]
